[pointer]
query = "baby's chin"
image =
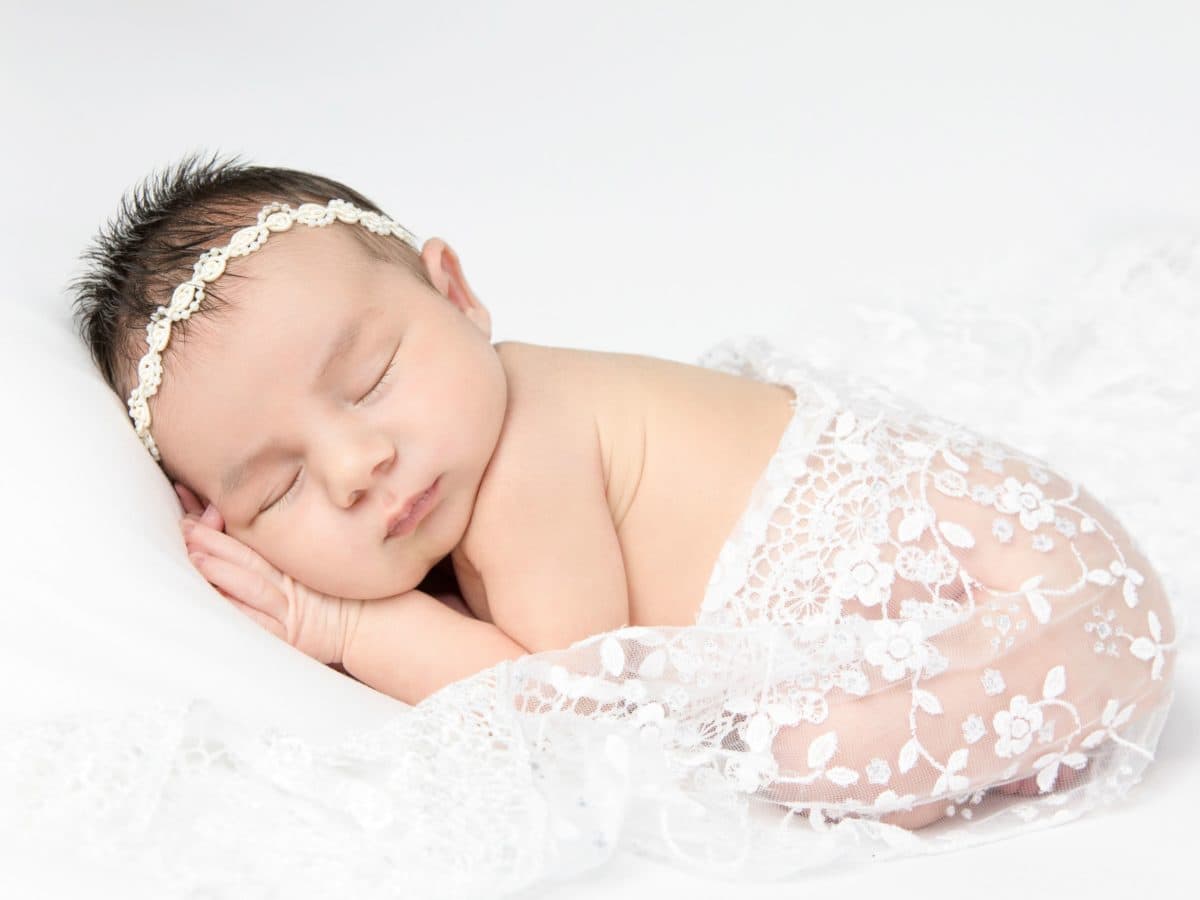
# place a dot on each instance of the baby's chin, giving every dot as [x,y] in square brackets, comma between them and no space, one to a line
[387,577]
[440,579]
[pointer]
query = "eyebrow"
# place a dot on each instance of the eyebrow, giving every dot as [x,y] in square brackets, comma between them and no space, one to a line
[235,476]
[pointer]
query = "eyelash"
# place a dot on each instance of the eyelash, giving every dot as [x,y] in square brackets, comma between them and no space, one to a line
[381,383]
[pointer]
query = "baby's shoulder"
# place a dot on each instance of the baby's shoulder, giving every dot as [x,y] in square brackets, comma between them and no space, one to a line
[550,396]
[542,374]
[541,529]
[549,424]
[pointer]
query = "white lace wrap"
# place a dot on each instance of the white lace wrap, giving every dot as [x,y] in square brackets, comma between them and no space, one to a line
[907,615]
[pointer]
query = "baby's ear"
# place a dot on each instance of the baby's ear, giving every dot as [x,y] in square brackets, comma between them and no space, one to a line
[440,264]
[445,271]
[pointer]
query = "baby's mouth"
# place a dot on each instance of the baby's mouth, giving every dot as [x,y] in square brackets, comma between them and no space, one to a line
[407,520]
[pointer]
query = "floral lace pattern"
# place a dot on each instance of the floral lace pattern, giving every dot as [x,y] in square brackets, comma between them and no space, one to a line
[929,553]
[915,639]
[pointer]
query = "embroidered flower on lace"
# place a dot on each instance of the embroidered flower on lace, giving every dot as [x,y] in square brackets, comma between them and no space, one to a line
[859,573]
[1027,501]
[898,649]
[973,728]
[878,771]
[1016,725]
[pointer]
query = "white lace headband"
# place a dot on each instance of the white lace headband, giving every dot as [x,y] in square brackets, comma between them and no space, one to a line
[186,298]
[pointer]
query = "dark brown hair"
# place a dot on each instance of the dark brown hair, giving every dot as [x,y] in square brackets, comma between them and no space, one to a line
[164,223]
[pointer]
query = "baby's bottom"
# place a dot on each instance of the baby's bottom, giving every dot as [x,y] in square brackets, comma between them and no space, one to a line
[877,728]
[1041,677]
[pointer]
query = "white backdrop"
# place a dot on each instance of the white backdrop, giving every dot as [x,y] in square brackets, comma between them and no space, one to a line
[641,177]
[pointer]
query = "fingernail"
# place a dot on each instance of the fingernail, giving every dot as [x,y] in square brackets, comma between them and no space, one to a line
[187,525]
[196,558]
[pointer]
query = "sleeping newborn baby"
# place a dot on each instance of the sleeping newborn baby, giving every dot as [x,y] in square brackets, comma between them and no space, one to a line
[343,433]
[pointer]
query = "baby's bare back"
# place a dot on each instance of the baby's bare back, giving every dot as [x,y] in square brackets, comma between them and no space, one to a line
[680,448]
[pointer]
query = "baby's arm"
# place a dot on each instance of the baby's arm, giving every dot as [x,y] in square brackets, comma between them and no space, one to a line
[411,645]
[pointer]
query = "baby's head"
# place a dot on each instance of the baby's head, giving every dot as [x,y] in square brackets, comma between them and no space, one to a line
[324,379]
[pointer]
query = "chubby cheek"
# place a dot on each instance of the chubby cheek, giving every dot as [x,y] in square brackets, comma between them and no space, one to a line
[319,559]
[332,562]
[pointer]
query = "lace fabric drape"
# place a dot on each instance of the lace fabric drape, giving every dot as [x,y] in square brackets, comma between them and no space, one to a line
[959,584]
[907,616]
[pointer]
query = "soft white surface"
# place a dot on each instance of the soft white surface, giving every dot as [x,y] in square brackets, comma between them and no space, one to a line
[642,178]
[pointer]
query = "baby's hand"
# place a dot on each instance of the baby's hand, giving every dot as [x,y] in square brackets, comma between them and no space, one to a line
[315,624]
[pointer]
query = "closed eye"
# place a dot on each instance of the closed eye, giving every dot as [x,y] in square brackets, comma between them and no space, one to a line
[282,501]
[383,381]
[380,384]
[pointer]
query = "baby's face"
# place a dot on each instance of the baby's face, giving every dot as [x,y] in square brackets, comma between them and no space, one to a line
[341,451]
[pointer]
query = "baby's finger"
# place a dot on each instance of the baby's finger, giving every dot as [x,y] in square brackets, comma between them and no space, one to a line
[242,584]
[191,503]
[218,543]
[212,518]
[261,618]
